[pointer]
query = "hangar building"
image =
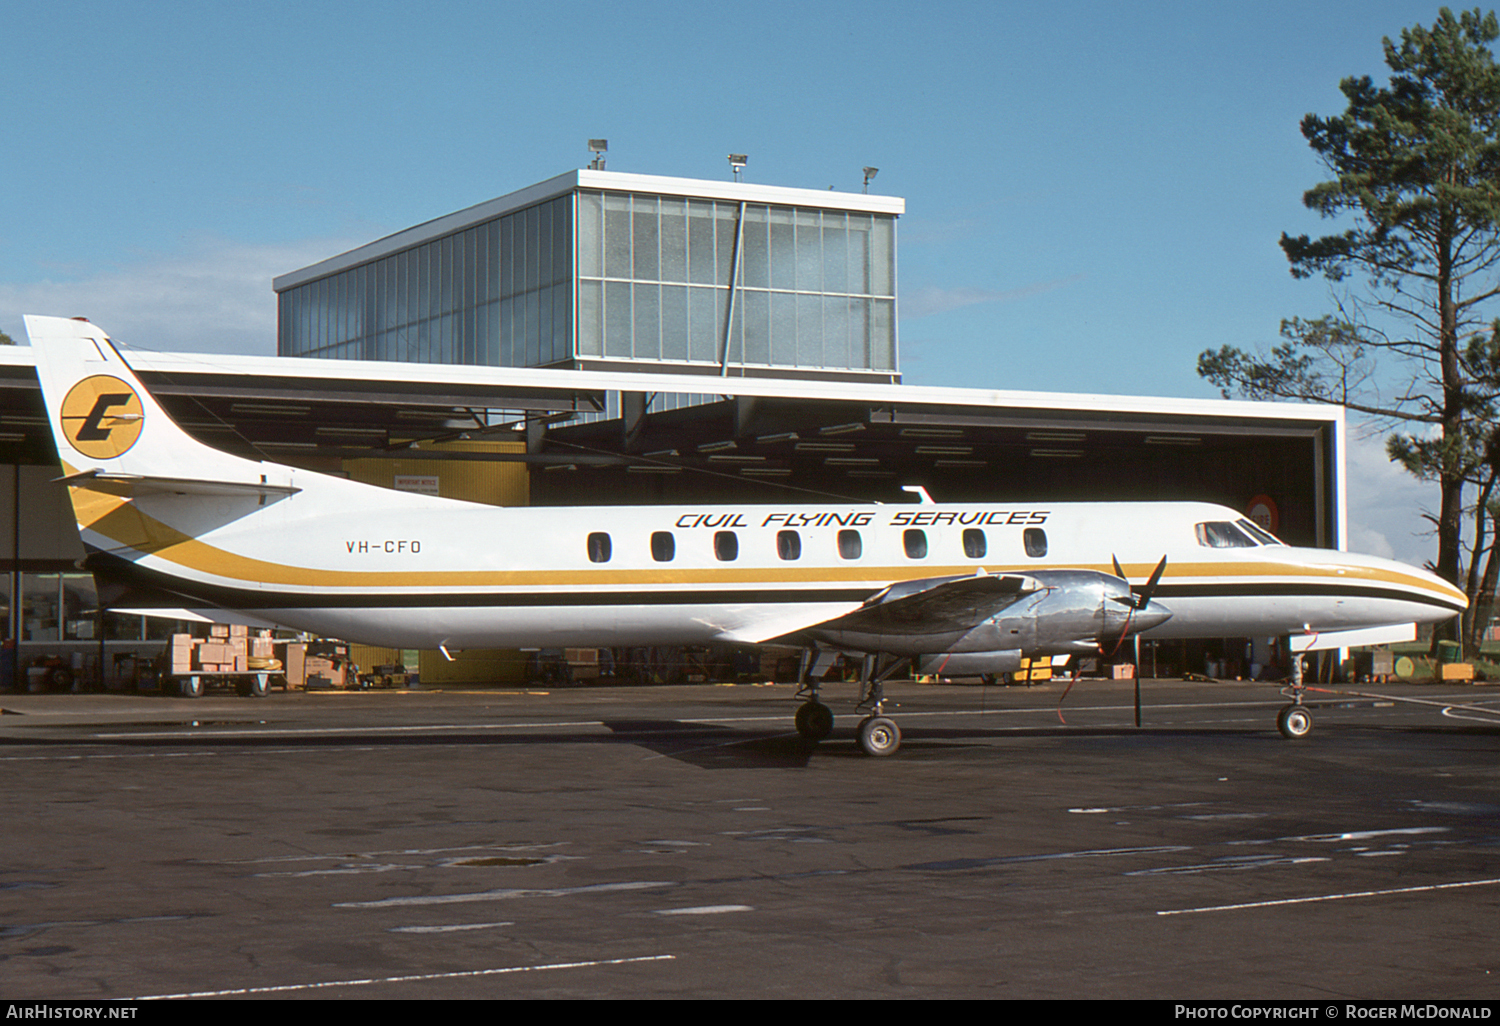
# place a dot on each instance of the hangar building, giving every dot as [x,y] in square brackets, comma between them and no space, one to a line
[627,338]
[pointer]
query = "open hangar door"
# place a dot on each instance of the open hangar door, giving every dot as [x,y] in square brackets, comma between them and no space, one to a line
[779,451]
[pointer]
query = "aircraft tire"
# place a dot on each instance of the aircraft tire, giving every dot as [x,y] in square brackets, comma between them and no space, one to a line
[814,721]
[879,736]
[1294,722]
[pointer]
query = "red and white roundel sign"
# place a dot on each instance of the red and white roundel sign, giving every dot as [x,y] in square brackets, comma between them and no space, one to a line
[1262,510]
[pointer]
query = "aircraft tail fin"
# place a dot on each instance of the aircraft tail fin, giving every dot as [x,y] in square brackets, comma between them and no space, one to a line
[108,426]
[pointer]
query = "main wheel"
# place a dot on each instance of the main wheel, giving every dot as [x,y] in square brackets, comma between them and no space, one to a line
[1294,722]
[814,721]
[879,736]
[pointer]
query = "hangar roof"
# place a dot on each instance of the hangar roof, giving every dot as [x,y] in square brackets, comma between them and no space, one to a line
[460,388]
[751,437]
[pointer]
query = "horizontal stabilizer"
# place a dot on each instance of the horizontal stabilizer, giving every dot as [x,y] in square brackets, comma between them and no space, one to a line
[132,485]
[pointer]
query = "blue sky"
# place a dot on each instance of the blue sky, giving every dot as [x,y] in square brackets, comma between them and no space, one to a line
[1094,190]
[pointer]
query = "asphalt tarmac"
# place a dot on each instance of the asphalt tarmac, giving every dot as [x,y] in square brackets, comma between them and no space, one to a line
[684,842]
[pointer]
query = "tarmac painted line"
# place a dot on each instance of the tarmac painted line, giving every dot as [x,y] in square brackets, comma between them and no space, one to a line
[448,929]
[703,910]
[471,974]
[602,725]
[502,894]
[1328,897]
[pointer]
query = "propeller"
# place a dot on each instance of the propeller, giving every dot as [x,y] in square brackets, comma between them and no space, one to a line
[1136,604]
[1141,601]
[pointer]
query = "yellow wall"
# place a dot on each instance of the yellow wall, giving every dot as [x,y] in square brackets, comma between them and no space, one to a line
[498,484]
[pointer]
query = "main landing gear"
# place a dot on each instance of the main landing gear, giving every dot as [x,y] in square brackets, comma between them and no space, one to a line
[877,734]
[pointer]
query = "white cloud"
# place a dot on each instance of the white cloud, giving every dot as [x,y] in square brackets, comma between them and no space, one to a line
[1385,502]
[215,297]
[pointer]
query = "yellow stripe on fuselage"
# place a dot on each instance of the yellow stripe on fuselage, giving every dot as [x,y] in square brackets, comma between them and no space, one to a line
[129,529]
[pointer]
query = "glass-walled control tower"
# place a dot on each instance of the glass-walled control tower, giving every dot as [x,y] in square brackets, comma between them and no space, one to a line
[598,269]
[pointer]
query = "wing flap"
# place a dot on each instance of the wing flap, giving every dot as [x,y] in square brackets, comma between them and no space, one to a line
[778,625]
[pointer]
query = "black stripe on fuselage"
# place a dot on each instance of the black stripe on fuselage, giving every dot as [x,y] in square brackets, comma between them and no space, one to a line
[1284,589]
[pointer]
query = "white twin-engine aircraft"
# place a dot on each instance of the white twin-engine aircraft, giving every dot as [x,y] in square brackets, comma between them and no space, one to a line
[958,589]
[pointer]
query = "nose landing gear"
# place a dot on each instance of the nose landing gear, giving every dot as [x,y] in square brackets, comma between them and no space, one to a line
[1294,721]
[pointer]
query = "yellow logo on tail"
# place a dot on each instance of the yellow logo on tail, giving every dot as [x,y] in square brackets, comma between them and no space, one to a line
[101,417]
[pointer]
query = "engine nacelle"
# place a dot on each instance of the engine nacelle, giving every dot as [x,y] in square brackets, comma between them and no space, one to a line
[1063,612]
[969,664]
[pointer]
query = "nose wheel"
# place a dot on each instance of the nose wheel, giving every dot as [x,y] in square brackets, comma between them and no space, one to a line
[1294,722]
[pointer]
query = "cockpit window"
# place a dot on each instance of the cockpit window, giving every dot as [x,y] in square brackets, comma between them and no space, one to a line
[1259,533]
[1221,534]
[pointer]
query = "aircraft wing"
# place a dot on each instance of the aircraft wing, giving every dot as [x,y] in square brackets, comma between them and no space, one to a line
[933,605]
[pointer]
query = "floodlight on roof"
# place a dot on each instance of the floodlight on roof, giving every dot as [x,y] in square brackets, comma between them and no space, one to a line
[598,147]
[870,172]
[737,162]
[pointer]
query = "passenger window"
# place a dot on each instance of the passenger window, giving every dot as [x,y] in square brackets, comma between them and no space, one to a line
[788,545]
[663,546]
[850,545]
[915,541]
[726,545]
[1036,542]
[599,547]
[975,544]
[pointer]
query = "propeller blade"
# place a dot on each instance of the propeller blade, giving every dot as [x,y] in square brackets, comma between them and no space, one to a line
[1144,598]
[1150,588]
